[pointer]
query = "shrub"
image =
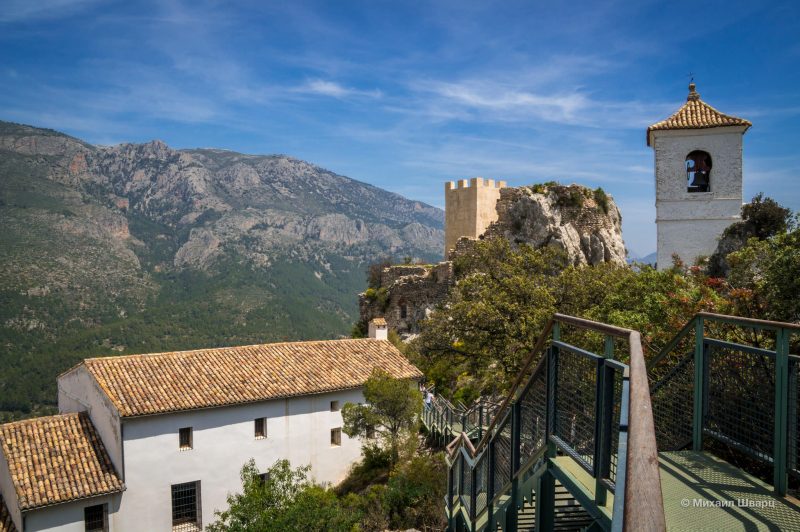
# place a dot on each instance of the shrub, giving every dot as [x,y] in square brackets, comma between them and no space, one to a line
[601,198]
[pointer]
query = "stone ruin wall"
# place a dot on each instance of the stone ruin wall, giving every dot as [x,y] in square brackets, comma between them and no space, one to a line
[412,292]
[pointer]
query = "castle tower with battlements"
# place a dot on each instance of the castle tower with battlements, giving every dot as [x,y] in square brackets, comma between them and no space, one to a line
[469,208]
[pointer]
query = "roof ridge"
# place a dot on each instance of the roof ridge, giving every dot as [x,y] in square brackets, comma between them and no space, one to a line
[32,420]
[206,349]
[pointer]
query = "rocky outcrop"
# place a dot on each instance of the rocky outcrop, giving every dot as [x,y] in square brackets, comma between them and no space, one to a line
[585,223]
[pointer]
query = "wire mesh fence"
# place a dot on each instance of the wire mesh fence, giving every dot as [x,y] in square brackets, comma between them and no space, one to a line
[673,402]
[575,404]
[533,420]
[740,398]
[501,448]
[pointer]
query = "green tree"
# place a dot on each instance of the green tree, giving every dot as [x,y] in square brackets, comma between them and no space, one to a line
[765,276]
[286,500]
[413,497]
[391,412]
[766,216]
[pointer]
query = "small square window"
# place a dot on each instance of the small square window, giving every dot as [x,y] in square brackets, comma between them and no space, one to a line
[261,428]
[185,438]
[263,478]
[335,406]
[336,437]
[95,518]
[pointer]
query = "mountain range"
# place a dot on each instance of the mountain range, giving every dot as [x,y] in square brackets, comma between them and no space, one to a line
[143,248]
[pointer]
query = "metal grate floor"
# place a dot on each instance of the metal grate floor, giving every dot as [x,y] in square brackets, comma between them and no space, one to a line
[704,493]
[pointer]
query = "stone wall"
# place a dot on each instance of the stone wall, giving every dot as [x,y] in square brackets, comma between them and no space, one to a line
[407,294]
[690,223]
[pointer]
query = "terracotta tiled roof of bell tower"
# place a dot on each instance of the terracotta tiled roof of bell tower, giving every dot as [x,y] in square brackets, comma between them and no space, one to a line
[696,114]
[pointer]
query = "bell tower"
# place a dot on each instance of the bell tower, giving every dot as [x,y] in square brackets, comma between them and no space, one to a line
[698,168]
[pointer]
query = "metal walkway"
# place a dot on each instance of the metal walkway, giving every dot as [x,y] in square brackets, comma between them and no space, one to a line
[573,446]
[704,493]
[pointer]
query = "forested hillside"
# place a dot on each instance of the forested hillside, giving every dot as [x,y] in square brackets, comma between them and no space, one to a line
[142,248]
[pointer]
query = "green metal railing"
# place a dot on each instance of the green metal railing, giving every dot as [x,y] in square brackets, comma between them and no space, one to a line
[732,382]
[448,420]
[571,413]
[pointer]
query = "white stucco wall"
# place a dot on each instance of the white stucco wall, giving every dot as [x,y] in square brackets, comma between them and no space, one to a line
[690,224]
[69,517]
[298,429]
[8,492]
[78,391]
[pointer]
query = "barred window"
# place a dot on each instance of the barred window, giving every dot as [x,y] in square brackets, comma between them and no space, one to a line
[95,518]
[261,428]
[186,507]
[185,438]
[336,437]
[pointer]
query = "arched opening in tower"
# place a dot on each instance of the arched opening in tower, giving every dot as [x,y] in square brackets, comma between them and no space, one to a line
[698,171]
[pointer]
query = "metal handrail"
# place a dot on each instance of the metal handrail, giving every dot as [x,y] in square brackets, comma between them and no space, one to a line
[638,456]
[783,364]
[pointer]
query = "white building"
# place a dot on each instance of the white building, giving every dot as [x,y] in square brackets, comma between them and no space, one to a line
[156,442]
[698,167]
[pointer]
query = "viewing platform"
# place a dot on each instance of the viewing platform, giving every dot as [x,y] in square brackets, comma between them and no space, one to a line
[586,442]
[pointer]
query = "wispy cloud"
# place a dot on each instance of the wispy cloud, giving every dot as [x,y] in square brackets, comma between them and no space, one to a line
[30,10]
[336,90]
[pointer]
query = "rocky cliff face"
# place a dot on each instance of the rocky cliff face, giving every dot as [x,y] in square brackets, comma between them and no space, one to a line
[585,223]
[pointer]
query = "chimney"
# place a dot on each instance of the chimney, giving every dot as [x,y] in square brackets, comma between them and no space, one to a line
[378,329]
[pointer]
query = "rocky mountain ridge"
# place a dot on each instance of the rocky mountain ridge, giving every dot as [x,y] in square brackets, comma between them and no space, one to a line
[142,247]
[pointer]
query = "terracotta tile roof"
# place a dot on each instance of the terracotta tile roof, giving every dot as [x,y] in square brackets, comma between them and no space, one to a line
[168,382]
[379,322]
[56,459]
[696,114]
[6,524]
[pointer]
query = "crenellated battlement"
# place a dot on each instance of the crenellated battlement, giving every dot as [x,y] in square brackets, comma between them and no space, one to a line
[475,182]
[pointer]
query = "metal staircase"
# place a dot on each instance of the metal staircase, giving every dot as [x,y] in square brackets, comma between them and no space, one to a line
[573,445]
[556,450]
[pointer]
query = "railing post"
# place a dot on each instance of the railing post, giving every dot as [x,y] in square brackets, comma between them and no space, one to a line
[699,389]
[450,492]
[546,487]
[473,497]
[511,513]
[604,410]
[490,487]
[780,481]
[480,420]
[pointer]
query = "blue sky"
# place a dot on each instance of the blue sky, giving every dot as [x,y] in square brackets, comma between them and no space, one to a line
[408,94]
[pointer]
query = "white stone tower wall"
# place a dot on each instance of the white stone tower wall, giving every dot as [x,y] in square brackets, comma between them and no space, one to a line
[690,223]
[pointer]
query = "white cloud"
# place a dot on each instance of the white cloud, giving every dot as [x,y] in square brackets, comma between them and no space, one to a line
[336,90]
